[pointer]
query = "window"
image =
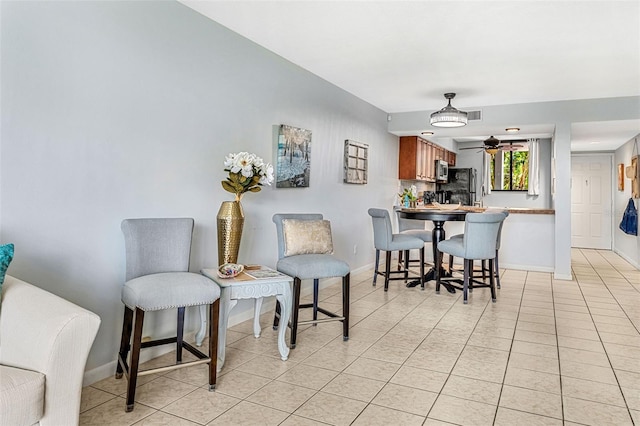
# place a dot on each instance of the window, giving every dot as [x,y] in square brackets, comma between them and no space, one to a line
[510,167]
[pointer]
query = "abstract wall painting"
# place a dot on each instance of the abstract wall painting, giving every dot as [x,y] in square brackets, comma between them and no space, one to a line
[293,161]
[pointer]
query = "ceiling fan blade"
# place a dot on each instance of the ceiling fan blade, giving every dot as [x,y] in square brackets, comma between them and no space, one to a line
[510,147]
[472,147]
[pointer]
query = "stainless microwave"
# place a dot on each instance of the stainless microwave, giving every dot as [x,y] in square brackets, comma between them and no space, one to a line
[442,170]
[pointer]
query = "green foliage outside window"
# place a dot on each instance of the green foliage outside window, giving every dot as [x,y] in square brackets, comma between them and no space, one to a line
[515,170]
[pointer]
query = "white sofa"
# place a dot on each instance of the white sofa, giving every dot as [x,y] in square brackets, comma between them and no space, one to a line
[44,344]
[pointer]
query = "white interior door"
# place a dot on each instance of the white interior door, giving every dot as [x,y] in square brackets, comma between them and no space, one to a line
[591,202]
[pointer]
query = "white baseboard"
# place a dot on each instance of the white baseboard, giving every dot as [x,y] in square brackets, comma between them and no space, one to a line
[99,373]
[527,268]
[627,258]
[109,369]
[563,277]
[102,372]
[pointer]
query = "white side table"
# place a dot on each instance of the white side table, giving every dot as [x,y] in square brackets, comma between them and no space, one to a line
[245,286]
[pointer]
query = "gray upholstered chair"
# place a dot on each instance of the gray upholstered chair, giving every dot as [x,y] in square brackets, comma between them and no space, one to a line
[158,278]
[479,243]
[305,252]
[385,239]
[484,269]
[414,228]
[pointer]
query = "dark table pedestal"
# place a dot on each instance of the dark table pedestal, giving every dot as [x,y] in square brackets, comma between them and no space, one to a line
[438,217]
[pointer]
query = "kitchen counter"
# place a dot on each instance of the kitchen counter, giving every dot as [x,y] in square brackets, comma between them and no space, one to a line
[512,210]
[533,253]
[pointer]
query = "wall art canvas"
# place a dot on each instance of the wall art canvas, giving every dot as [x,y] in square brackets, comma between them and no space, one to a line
[293,158]
[355,162]
[620,177]
[635,180]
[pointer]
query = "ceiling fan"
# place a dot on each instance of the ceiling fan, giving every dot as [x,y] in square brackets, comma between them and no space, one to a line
[493,145]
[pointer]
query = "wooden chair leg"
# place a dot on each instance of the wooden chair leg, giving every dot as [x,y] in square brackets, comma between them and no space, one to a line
[399,260]
[125,341]
[436,265]
[345,306]
[450,264]
[315,299]
[406,265]
[484,270]
[294,313]
[468,264]
[422,268]
[180,335]
[375,271]
[276,316]
[492,281]
[135,359]
[497,270]
[214,314]
[387,269]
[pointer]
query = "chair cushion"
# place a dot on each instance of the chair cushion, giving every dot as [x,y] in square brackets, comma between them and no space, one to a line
[21,396]
[169,290]
[404,242]
[307,237]
[311,266]
[423,234]
[452,246]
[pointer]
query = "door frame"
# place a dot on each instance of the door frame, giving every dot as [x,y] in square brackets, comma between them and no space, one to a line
[613,177]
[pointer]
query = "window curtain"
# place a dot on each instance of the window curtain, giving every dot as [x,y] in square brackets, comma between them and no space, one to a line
[486,174]
[534,167]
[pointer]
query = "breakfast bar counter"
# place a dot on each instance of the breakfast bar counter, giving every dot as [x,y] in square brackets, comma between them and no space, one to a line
[528,235]
[512,210]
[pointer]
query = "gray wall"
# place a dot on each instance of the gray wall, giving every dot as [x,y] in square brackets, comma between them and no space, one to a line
[113,110]
[628,246]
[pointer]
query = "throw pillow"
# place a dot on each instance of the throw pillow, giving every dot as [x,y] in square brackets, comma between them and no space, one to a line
[6,255]
[307,237]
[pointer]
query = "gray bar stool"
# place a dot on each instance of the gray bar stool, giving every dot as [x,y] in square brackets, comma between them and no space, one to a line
[414,228]
[479,243]
[484,269]
[158,278]
[305,251]
[385,239]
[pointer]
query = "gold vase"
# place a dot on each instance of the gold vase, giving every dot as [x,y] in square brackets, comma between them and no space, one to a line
[230,222]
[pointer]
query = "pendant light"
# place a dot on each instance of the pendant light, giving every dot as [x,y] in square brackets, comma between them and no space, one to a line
[449,116]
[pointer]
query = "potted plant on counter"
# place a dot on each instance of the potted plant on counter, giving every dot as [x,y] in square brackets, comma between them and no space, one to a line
[408,198]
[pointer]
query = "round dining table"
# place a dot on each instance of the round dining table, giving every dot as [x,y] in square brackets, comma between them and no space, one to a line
[438,217]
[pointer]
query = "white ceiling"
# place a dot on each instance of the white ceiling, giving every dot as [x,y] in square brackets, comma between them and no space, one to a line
[404,55]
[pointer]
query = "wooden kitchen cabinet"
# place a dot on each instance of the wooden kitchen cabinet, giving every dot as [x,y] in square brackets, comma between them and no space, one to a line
[408,167]
[417,158]
[452,159]
[430,171]
[414,158]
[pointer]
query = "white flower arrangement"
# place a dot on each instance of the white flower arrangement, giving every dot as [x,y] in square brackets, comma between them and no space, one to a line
[247,173]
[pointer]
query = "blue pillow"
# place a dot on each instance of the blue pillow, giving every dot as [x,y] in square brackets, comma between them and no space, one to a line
[6,255]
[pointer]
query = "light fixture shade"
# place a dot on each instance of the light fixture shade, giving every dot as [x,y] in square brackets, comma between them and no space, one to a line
[449,116]
[491,151]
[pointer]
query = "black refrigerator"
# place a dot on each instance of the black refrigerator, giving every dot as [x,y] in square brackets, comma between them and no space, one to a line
[460,187]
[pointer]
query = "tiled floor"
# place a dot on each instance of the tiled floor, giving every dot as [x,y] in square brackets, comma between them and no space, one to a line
[547,353]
